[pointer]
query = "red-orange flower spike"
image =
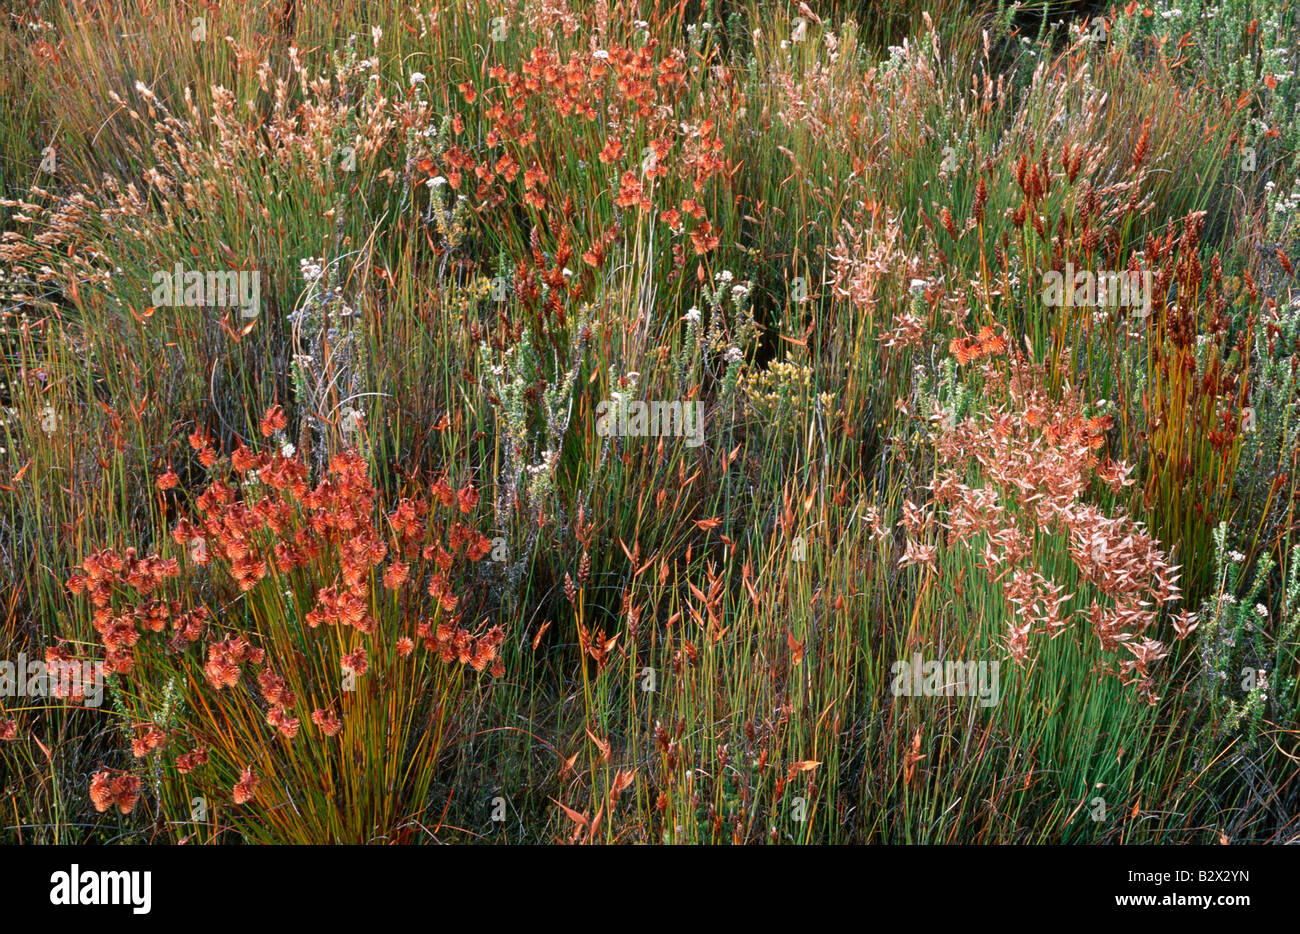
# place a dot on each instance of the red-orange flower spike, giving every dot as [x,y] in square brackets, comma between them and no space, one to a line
[356,662]
[327,720]
[274,420]
[396,574]
[191,760]
[124,791]
[246,787]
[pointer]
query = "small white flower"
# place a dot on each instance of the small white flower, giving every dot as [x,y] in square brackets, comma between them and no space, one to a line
[600,54]
[693,315]
[724,277]
[734,355]
[436,182]
[310,268]
[287,450]
[417,78]
[917,285]
[1237,557]
[1261,611]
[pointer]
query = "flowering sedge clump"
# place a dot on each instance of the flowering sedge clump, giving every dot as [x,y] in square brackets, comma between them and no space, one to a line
[629,88]
[334,620]
[1038,458]
[625,117]
[328,531]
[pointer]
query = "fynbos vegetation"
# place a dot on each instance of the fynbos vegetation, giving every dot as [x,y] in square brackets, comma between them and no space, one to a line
[568,420]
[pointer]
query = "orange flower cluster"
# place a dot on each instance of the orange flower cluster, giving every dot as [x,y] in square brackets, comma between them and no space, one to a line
[456,644]
[104,575]
[201,443]
[323,540]
[988,343]
[224,658]
[621,87]
[1079,431]
[188,762]
[327,720]
[68,676]
[1039,458]
[334,518]
[274,420]
[122,790]
[246,787]
[148,738]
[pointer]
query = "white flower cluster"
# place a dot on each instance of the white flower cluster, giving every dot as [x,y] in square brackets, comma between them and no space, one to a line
[311,268]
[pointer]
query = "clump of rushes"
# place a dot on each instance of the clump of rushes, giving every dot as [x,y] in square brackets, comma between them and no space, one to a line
[1039,457]
[316,644]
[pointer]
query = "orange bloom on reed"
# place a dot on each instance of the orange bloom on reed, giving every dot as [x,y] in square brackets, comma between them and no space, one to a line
[282,532]
[120,790]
